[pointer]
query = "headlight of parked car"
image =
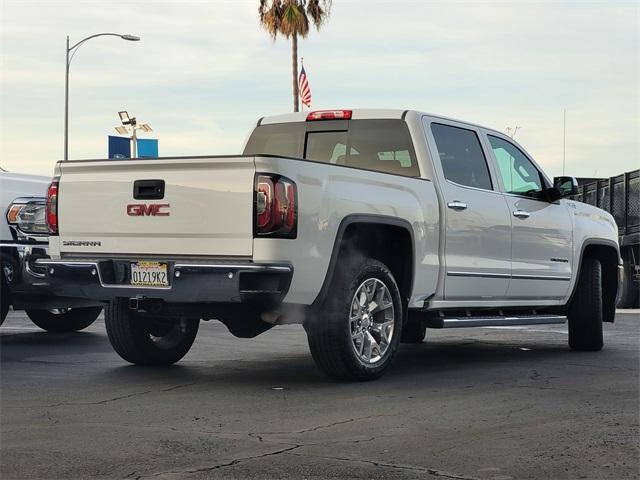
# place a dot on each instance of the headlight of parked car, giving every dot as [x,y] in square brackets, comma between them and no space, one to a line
[28,215]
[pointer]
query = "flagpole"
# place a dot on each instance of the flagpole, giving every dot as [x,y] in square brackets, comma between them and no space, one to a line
[302,68]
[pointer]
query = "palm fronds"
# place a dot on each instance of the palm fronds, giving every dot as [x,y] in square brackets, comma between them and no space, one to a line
[292,17]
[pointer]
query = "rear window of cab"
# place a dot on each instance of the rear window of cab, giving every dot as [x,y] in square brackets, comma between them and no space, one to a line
[378,145]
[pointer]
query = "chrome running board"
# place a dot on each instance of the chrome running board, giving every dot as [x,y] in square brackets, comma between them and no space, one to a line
[497,321]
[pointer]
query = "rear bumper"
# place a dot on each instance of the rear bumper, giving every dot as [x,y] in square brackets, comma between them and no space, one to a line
[28,285]
[190,282]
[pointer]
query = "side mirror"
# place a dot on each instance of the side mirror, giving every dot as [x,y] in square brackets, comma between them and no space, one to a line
[563,187]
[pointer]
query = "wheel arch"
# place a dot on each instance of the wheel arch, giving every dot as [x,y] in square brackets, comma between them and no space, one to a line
[374,236]
[608,253]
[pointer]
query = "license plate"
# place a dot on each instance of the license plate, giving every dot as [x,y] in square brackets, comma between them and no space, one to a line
[149,274]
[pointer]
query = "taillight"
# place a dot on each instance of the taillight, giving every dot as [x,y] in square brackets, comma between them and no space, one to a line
[329,115]
[52,206]
[275,207]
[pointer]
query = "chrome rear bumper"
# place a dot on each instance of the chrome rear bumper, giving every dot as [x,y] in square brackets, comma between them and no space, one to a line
[190,282]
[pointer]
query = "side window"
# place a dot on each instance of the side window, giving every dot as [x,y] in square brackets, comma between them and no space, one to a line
[518,174]
[461,156]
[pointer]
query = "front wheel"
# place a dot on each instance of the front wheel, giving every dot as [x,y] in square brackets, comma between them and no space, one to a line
[355,334]
[144,340]
[585,312]
[64,320]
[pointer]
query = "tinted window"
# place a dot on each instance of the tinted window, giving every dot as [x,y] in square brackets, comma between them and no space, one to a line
[518,174]
[326,146]
[461,156]
[283,139]
[380,145]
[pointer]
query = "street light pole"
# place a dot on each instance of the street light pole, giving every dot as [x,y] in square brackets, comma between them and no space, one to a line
[66,105]
[134,141]
[564,140]
[131,38]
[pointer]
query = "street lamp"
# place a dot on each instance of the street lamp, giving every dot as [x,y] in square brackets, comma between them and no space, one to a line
[74,49]
[131,126]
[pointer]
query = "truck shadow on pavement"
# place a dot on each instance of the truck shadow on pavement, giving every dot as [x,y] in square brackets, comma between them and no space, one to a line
[437,358]
[15,347]
[436,362]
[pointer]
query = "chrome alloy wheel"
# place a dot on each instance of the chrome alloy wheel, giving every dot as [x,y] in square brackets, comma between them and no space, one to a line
[371,320]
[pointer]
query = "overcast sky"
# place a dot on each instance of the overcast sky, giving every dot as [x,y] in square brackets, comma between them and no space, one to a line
[205,71]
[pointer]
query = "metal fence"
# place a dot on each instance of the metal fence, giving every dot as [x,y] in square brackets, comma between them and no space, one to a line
[619,195]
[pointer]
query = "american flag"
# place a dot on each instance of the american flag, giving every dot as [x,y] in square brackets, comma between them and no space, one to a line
[305,90]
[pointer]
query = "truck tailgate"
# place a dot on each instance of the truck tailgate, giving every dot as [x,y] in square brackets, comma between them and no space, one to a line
[206,208]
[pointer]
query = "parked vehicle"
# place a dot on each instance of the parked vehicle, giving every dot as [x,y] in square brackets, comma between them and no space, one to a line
[366,226]
[24,238]
[620,196]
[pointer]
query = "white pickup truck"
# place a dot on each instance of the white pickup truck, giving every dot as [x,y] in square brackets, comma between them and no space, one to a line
[365,226]
[23,240]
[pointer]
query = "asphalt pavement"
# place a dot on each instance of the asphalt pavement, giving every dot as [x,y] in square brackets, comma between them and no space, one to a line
[489,403]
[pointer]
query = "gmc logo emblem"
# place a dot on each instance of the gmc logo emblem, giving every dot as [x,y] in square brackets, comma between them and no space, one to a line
[150,210]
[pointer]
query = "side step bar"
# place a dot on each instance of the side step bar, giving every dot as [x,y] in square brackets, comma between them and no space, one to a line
[497,321]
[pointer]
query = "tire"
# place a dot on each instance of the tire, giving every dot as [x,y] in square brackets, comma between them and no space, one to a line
[335,341]
[629,295]
[585,311]
[413,331]
[148,341]
[4,297]
[62,321]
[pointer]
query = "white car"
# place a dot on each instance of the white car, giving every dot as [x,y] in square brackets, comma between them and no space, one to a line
[366,226]
[24,238]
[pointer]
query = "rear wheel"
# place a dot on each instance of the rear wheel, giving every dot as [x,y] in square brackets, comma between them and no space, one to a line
[356,332]
[4,296]
[585,311]
[65,319]
[148,341]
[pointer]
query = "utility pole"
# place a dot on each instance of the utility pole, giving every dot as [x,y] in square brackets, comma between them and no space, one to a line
[564,140]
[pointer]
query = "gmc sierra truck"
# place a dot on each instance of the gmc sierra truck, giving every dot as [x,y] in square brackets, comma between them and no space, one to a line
[365,226]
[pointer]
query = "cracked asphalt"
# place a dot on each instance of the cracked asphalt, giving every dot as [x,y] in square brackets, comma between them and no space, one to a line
[490,403]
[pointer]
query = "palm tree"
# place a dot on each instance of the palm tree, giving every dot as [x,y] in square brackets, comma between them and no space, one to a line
[290,18]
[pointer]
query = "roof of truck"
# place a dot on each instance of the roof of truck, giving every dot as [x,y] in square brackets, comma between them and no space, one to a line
[364,113]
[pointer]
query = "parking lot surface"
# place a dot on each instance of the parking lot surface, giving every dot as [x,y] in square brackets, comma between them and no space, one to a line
[489,403]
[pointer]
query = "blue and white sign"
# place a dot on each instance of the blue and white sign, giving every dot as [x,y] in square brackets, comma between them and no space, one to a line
[119,147]
[147,148]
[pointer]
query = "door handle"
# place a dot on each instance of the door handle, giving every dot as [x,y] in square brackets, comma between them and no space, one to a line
[456,205]
[521,214]
[148,189]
